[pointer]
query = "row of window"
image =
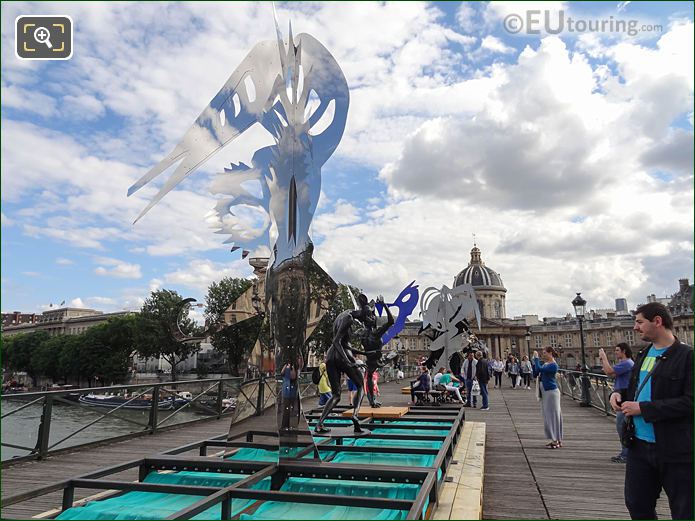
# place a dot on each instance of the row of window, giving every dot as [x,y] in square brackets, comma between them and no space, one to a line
[592,339]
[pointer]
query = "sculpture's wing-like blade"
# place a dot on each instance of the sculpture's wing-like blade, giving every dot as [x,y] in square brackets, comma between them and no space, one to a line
[238,105]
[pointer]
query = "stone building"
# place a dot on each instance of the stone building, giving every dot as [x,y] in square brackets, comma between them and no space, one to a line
[522,335]
[63,321]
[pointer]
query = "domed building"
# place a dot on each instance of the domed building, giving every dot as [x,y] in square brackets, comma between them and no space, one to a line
[489,289]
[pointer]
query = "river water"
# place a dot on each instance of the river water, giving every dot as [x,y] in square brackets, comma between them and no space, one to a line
[22,427]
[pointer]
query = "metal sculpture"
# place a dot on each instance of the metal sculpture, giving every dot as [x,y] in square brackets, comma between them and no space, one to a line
[297,92]
[340,360]
[445,314]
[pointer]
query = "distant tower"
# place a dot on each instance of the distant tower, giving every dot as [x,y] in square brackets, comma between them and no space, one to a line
[621,305]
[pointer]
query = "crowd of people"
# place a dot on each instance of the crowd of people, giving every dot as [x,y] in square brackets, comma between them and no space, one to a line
[652,393]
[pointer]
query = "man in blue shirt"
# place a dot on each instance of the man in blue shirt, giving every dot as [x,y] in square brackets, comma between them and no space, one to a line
[662,453]
[621,372]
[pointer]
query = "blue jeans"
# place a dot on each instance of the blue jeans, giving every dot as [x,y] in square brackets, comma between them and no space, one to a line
[469,386]
[483,393]
[619,421]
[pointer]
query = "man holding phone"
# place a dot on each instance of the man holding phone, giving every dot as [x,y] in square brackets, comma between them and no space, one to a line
[621,372]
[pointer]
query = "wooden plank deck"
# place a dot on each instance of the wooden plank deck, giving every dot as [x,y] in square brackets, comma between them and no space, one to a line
[525,480]
[522,479]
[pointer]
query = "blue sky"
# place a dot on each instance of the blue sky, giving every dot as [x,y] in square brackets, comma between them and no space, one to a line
[557,151]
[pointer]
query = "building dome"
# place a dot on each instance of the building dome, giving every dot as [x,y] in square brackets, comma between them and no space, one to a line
[478,275]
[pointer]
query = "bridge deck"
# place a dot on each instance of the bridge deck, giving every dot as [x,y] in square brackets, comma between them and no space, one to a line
[522,479]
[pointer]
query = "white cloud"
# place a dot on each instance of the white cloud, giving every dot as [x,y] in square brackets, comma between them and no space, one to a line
[493,44]
[200,273]
[6,221]
[117,268]
[62,261]
[77,303]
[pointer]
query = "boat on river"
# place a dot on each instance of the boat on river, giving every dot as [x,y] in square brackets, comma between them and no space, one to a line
[140,403]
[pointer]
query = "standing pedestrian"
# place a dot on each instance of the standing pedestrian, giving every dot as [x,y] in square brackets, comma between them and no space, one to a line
[513,371]
[550,396]
[324,385]
[498,369]
[526,371]
[482,373]
[621,372]
[399,375]
[468,370]
[661,407]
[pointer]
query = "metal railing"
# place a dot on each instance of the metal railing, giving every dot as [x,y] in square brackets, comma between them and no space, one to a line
[600,389]
[211,398]
[249,397]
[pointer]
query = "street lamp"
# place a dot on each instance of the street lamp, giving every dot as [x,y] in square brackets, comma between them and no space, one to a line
[528,342]
[580,310]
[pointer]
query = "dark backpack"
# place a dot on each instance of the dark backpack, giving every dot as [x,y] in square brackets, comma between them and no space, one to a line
[316,376]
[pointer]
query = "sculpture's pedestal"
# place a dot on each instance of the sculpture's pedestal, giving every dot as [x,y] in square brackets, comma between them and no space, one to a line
[386,413]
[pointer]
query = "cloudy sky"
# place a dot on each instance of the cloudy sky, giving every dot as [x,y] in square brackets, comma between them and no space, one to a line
[569,154]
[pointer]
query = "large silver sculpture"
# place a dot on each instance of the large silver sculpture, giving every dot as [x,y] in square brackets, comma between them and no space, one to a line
[298,93]
[445,313]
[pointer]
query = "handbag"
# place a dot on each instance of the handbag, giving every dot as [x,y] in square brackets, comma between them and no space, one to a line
[627,432]
[475,390]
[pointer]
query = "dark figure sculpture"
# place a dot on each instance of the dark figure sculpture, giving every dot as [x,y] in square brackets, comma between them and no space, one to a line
[340,360]
[372,343]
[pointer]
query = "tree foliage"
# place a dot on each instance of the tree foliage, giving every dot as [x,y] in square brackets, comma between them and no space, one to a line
[221,295]
[102,353]
[153,330]
[235,341]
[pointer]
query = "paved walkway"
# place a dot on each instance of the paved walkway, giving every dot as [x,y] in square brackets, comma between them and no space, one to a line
[522,479]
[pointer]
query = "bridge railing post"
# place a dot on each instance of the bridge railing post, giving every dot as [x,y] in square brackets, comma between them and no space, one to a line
[154,409]
[44,427]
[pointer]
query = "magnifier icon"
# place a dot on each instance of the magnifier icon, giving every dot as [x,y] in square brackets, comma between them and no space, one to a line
[43,35]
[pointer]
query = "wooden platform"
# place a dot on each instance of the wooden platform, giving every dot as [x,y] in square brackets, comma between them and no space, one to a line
[461,496]
[386,413]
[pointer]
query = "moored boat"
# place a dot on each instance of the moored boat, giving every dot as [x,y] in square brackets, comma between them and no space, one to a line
[141,403]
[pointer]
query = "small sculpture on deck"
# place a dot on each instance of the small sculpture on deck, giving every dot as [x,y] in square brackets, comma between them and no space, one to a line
[371,338]
[341,360]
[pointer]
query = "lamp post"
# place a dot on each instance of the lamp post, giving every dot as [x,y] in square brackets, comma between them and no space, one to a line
[580,310]
[528,342]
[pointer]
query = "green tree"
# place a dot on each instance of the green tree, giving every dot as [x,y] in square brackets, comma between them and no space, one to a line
[235,341]
[221,295]
[153,335]
[21,353]
[108,348]
[70,363]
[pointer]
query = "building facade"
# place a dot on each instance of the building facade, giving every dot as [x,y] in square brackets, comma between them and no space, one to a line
[603,328]
[63,321]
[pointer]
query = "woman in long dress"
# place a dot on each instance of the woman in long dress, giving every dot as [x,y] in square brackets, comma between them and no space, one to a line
[550,396]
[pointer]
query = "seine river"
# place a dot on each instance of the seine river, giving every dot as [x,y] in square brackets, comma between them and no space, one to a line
[22,428]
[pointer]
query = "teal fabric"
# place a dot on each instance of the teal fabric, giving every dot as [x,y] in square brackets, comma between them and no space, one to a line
[433,432]
[424,424]
[284,511]
[375,458]
[425,444]
[154,505]
[250,454]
